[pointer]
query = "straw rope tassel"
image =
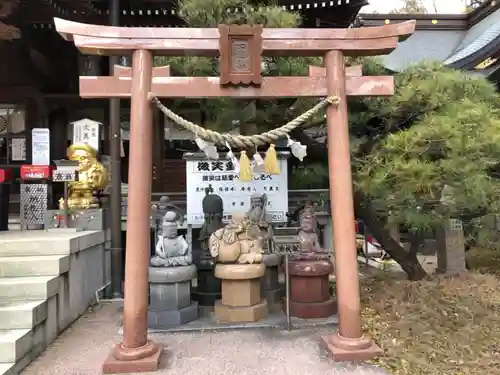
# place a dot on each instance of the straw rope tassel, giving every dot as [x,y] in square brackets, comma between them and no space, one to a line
[245,167]
[271,165]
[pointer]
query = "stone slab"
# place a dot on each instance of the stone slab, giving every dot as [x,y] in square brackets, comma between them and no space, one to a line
[63,230]
[28,288]
[207,322]
[22,314]
[169,296]
[91,219]
[47,265]
[172,318]
[15,243]
[170,275]
[240,293]
[14,344]
[252,313]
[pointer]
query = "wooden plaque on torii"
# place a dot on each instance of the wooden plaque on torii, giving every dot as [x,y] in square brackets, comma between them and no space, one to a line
[240,47]
[143,82]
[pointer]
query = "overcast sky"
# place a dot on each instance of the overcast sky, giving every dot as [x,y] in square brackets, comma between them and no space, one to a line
[444,6]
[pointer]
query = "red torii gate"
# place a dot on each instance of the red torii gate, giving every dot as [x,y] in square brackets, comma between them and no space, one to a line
[142,83]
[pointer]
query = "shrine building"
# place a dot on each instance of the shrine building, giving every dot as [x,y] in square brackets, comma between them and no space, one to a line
[40,89]
[40,95]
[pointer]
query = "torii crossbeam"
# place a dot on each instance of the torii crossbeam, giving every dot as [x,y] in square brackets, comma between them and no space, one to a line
[239,49]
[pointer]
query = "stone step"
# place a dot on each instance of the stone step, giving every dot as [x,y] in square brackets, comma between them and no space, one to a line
[15,368]
[28,288]
[39,242]
[14,344]
[29,244]
[22,314]
[26,243]
[49,265]
[8,368]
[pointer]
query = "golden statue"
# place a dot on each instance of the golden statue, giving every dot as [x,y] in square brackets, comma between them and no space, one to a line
[92,176]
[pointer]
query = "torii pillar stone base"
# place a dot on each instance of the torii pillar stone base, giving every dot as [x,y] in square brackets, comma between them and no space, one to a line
[125,361]
[348,350]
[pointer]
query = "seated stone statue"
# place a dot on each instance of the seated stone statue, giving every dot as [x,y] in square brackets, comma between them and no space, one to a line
[234,243]
[171,250]
[258,220]
[165,205]
[308,238]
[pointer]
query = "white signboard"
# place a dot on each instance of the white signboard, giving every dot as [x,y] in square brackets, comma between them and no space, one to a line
[18,149]
[86,131]
[40,150]
[220,175]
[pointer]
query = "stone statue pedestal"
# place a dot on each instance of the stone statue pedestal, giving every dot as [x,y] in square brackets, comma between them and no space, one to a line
[309,289]
[170,297]
[209,287]
[271,290]
[241,293]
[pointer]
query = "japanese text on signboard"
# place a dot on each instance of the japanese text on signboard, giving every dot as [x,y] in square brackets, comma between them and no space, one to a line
[221,178]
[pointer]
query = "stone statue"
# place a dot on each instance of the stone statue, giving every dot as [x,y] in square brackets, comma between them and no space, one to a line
[308,239]
[92,176]
[235,244]
[164,206]
[213,208]
[209,286]
[171,250]
[258,221]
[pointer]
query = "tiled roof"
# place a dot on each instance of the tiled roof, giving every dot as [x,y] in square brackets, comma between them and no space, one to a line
[483,41]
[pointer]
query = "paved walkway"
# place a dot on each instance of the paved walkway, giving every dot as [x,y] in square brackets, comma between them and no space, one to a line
[82,349]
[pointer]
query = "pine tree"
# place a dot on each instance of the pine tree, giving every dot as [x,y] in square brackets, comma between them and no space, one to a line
[440,130]
[224,114]
[411,7]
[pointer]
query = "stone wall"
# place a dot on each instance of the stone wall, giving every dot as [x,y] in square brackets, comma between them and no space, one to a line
[89,271]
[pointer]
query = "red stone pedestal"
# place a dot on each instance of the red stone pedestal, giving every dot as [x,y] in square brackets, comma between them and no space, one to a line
[309,289]
[124,361]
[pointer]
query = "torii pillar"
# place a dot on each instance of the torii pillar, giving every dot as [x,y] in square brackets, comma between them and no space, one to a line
[240,50]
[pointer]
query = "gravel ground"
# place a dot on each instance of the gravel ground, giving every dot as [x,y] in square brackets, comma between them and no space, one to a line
[82,349]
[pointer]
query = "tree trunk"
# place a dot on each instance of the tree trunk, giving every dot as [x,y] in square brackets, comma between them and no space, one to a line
[407,260]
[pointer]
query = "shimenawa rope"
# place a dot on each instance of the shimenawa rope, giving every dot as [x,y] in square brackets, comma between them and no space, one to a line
[244,141]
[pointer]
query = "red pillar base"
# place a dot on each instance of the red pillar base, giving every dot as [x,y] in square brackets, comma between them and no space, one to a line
[351,350]
[144,359]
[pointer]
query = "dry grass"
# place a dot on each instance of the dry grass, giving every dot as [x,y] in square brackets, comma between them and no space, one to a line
[439,326]
[484,260]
